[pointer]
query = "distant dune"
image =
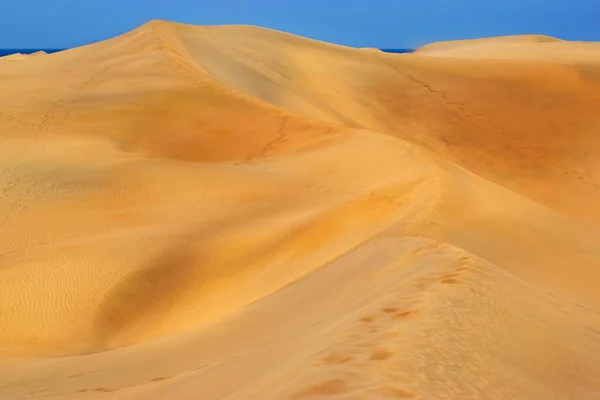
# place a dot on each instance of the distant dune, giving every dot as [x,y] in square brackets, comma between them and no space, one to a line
[528,47]
[21,56]
[234,212]
[510,39]
[13,57]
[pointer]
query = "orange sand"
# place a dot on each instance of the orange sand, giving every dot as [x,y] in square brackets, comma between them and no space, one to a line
[238,213]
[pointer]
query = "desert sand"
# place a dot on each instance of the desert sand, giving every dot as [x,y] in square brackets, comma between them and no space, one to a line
[231,212]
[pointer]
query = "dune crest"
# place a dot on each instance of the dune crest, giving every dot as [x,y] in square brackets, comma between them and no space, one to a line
[245,213]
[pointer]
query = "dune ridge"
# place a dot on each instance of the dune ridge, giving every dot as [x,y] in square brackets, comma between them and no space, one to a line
[242,213]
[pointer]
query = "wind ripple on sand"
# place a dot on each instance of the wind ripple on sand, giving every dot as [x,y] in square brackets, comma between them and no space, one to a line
[239,213]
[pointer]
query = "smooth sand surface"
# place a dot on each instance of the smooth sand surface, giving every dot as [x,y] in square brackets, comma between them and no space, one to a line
[528,47]
[232,212]
[21,56]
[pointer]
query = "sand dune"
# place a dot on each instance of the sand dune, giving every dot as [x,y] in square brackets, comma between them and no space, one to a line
[487,42]
[234,212]
[529,47]
[12,57]
[21,56]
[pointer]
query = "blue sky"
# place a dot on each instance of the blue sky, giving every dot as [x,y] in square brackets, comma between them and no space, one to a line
[361,23]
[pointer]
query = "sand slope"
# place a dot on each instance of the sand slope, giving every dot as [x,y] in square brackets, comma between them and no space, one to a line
[233,212]
[443,104]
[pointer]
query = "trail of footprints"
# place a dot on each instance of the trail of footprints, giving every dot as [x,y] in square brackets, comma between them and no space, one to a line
[367,361]
[55,112]
[91,390]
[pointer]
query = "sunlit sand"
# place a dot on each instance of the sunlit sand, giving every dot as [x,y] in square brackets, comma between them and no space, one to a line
[232,212]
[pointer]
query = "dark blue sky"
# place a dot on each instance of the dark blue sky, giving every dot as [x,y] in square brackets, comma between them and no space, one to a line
[361,23]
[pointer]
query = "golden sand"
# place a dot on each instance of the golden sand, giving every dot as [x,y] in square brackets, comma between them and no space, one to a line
[232,212]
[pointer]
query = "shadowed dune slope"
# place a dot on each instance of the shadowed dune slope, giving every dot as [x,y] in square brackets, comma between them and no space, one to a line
[240,213]
[524,123]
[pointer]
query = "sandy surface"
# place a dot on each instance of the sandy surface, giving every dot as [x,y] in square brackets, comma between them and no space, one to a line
[238,213]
